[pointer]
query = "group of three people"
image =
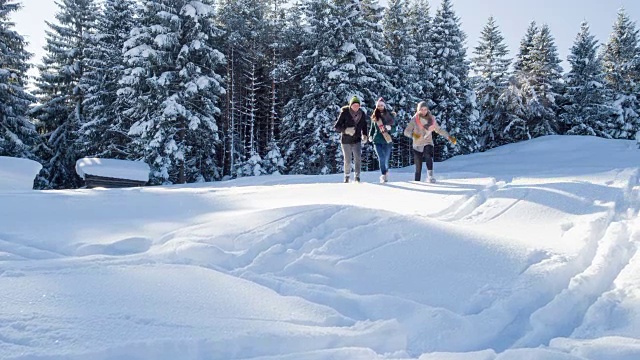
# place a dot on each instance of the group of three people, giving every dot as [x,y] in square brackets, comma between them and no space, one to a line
[356,131]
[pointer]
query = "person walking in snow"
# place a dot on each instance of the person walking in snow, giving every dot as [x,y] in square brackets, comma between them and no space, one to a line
[382,125]
[352,124]
[420,129]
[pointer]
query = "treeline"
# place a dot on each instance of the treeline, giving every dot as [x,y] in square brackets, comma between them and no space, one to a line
[204,91]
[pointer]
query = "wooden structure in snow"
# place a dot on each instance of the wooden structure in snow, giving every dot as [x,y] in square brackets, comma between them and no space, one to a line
[112,173]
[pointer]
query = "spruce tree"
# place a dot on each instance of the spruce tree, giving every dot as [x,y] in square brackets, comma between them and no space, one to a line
[587,110]
[491,67]
[18,137]
[104,132]
[530,107]
[404,75]
[420,23]
[172,90]
[544,89]
[511,122]
[246,48]
[523,59]
[342,63]
[621,63]
[60,94]
[452,94]
[273,161]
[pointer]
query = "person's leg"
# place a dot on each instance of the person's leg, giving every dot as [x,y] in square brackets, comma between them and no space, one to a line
[387,157]
[428,151]
[346,153]
[357,154]
[379,149]
[417,161]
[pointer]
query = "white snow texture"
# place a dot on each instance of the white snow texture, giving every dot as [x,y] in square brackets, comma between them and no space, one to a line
[527,251]
[113,168]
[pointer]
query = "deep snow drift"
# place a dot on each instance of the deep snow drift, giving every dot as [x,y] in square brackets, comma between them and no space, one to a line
[528,251]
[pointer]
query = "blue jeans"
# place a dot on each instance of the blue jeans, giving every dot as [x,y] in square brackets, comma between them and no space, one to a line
[383,151]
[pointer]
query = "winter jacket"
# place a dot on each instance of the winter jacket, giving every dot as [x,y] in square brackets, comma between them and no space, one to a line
[374,130]
[422,135]
[345,120]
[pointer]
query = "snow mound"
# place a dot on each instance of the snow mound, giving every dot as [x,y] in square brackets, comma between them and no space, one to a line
[17,174]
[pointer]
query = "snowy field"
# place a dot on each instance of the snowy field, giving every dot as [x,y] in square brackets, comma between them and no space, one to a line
[528,251]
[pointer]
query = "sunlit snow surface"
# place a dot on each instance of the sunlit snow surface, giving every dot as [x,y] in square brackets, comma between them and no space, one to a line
[528,251]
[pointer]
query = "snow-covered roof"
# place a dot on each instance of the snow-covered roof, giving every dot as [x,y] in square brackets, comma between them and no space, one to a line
[17,174]
[113,168]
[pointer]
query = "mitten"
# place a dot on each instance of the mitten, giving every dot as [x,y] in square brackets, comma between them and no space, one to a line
[416,136]
[453,140]
[350,131]
[388,127]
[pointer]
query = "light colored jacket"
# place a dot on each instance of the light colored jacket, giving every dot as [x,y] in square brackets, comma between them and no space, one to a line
[422,135]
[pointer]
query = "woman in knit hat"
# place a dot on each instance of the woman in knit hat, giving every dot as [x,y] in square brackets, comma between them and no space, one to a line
[382,125]
[352,124]
[420,129]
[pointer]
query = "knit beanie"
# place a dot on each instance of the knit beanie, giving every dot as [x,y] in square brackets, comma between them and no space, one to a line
[421,104]
[354,100]
[380,101]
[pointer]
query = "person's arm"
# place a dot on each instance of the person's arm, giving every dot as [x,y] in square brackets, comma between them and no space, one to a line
[393,124]
[339,125]
[444,133]
[440,130]
[408,131]
[363,127]
[372,128]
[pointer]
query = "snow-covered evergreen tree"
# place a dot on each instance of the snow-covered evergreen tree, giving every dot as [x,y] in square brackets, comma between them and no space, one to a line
[343,63]
[511,121]
[587,108]
[420,22]
[61,97]
[400,44]
[453,97]
[172,90]
[251,163]
[18,136]
[105,131]
[246,118]
[273,162]
[523,59]
[621,63]
[368,26]
[491,67]
[544,86]
[529,108]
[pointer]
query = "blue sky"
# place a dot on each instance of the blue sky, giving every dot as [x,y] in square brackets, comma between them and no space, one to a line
[513,17]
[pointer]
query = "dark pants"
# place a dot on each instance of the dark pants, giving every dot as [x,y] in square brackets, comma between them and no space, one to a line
[383,151]
[418,157]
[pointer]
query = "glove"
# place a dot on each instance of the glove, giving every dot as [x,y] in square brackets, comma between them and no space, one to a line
[416,136]
[453,140]
[350,131]
[388,127]
[365,138]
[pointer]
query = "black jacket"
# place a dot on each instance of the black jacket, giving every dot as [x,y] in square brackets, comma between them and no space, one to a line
[345,120]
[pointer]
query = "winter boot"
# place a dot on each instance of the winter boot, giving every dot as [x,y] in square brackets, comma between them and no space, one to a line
[357,179]
[346,179]
[430,177]
[382,179]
